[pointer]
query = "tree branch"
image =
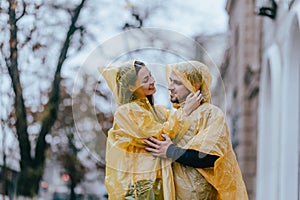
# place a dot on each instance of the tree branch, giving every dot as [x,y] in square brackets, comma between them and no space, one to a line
[23,12]
[137,18]
[28,38]
[51,109]
[12,66]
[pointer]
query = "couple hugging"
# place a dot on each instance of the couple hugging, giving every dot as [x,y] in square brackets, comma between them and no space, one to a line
[155,153]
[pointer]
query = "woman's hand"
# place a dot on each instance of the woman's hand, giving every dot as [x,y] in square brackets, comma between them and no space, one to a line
[192,102]
[158,148]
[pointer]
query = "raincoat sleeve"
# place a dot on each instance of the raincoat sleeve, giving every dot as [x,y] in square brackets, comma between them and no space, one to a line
[140,124]
[214,139]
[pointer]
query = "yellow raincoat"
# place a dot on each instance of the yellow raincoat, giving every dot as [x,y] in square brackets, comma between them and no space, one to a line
[208,134]
[132,172]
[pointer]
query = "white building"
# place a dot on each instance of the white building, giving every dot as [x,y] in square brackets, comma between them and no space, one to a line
[263,94]
[279,109]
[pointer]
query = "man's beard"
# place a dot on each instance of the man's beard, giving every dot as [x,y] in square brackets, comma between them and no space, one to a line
[176,100]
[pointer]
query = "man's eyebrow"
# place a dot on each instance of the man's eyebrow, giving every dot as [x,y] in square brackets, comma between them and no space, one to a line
[174,79]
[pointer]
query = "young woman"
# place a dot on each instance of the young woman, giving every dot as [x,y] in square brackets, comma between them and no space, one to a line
[132,172]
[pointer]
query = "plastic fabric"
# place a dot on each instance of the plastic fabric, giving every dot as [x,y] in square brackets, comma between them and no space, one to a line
[128,164]
[132,172]
[118,78]
[208,134]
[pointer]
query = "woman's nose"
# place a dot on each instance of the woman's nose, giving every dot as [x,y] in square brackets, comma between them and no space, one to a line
[170,86]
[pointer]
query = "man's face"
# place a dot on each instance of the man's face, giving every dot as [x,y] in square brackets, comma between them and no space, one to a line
[178,92]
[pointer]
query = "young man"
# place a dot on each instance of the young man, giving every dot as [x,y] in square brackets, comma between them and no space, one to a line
[205,165]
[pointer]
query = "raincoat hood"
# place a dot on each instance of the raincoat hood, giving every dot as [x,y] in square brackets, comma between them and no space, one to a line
[194,75]
[118,78]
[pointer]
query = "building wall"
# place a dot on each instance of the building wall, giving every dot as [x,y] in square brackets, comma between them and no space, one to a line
[262,80]
[241,78]
[279,141]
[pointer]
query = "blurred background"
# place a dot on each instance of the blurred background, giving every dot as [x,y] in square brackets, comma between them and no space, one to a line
[56,109]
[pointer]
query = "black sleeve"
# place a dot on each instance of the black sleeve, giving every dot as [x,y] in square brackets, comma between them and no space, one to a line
[191,157]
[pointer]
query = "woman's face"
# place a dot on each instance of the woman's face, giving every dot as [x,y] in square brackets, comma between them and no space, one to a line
[145,83]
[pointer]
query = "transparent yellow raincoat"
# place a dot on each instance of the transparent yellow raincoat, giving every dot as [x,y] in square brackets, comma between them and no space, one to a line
[208,134]
[132,172]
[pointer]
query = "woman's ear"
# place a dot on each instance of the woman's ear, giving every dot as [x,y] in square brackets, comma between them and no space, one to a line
[132,88]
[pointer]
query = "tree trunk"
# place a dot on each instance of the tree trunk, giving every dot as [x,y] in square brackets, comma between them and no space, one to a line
[29,179]
[73,185]
[32,168]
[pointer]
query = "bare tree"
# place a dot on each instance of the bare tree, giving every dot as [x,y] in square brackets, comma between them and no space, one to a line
[25,42]
[32,167]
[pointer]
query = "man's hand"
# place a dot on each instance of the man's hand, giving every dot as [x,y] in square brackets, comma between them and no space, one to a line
[192,102]
[158,148]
